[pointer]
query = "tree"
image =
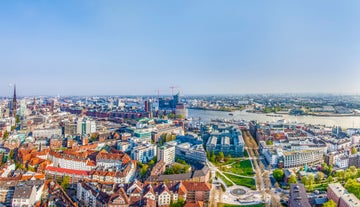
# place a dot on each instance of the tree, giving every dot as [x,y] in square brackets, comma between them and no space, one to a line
[213,156]
[353,150]
[330,203]
[208,154]
[269,142]
[292,179]
[221,156]
[180,116]
[330,179]
[353,187]
[278,174]
[11,154]
[65,182]
[179,203]
[17,119]
[227,158]
[319,176]
[144,170]
[13,128]
[5,135]
[305,180]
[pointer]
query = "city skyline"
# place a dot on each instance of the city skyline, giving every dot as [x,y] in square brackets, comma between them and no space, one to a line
[93,48]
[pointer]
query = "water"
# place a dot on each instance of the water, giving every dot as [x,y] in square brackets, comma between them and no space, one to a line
[344,122]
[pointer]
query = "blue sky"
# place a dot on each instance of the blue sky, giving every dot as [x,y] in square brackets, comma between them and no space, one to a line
[204,47]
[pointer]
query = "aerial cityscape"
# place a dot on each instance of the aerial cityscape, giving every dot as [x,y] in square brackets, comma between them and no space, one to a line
[179,104]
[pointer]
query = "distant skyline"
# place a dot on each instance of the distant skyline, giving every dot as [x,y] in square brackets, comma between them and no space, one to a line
[204,47]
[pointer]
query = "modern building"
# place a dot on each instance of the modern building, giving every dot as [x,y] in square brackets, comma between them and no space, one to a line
[227,139]
[143,153]
[299,158]
[169,104]
[166,154]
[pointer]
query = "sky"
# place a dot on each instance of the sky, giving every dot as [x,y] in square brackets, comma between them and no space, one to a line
[75,47]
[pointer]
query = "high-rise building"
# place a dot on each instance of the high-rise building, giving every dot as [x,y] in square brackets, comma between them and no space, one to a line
[166,154]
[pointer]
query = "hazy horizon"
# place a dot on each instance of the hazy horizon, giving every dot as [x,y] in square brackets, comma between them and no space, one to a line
[82,48]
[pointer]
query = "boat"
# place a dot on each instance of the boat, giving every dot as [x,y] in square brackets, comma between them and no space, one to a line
[231,114]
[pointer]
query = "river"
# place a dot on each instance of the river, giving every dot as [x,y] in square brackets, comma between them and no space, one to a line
[344,122]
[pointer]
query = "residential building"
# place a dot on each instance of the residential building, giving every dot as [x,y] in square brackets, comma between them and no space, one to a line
[298,196]
[7,188]
[24,195]
[144,153]
[341,196]
[166,154]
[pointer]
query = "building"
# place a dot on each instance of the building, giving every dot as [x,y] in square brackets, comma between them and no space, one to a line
[300,158]
[144,153]
[298,196]
[166,154]
[227,139]
[341,196]
[24,195]
[169,104]
[181,110]
[47,133]
[7,188]
[86,126]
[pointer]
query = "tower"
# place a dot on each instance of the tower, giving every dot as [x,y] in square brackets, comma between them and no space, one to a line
[14,104]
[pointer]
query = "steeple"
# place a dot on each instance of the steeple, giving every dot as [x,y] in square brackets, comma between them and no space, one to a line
[14,105]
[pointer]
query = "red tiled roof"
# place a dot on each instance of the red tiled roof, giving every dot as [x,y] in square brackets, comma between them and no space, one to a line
[67,171]
[196,186]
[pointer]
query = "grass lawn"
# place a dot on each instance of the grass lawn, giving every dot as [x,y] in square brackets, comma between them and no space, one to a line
[248,182]
[226,181]
[242,168]
[231,205]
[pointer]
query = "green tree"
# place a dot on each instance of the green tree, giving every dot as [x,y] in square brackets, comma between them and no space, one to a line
[221,156]
[278,174]
[17,119]
[179,203]
[353,150]
[353,187]
[269,142]
[319,176]
[213,156]
[11,154]
[305,180]
[227,158]
[65,182]
[13,128]
[180,116]
[171,116]
[144,170]
[330,179]
[292,179]
[5,135]
[330,203]
[208,155]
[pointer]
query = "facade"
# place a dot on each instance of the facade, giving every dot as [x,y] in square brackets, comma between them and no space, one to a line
[86,126]
[144,153]
[291,159]
[47,133]
[24,195]
[341,196]
[7,188]
[166,154]
[227,139]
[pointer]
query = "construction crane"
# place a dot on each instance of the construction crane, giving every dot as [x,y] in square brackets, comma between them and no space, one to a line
[172,90]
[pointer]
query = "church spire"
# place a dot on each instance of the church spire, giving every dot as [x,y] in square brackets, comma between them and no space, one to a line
[14,106]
